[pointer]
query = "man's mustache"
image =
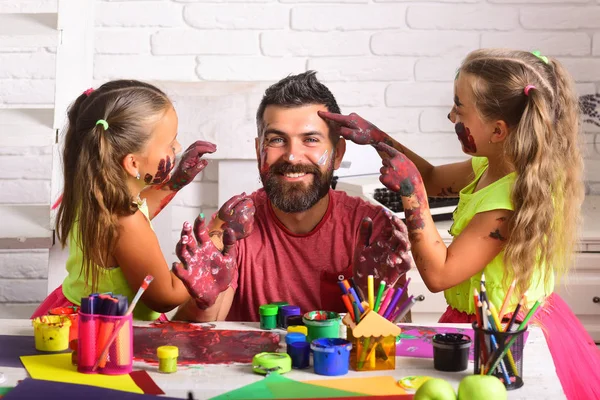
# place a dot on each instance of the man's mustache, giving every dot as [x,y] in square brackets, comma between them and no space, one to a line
[287,168]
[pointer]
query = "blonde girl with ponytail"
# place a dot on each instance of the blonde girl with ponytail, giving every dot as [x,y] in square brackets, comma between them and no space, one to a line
[516,114]
[122,165]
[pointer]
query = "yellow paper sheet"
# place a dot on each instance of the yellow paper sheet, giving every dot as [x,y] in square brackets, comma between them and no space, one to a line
[373,386]
[58,368]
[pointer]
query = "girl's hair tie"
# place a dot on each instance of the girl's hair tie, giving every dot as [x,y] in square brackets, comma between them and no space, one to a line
[103,123]
[88,91]
[527,89]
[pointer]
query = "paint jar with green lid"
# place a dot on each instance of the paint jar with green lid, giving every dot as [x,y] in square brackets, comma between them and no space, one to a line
[167,359]
[268,316]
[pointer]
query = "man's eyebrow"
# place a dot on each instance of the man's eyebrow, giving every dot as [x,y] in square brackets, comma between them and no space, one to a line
[313,133]
[272,131]
[457,101]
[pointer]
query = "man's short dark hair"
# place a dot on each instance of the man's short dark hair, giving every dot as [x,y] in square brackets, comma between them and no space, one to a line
[297,91]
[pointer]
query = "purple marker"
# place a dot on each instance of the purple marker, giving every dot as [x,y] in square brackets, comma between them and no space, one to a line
[401,308]
[393,304]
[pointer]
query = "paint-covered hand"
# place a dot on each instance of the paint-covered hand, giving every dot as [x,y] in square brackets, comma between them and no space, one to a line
[238,215]
[204,270]
[191,164]
[386,257]
[353,127]
[399,174]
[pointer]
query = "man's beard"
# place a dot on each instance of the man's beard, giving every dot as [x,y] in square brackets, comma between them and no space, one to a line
[295,197]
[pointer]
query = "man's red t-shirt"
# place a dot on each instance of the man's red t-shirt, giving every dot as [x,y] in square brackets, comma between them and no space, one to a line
[277,265]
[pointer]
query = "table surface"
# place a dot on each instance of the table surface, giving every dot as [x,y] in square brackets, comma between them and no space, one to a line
[540,379]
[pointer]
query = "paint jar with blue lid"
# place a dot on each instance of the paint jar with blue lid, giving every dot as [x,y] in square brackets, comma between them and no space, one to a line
[322,324]
[268,316]
[331,357]
[293,337]
[285,312]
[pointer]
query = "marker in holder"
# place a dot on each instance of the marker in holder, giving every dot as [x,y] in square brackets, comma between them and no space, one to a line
[94,332]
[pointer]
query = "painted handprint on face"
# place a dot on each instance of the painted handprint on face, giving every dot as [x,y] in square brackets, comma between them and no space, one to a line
[464,135]
[165,166]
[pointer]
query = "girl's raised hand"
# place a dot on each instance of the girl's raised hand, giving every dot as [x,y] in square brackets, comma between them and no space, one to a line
[355,128]
[191,164]
[398,173]
[204,270]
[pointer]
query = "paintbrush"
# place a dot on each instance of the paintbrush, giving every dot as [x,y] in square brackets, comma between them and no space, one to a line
[120,324]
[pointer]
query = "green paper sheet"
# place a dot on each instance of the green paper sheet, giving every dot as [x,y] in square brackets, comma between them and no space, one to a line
[276,386]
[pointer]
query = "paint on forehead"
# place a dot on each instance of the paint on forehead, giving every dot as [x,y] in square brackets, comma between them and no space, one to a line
[291,157]
[323,159]
[456,73]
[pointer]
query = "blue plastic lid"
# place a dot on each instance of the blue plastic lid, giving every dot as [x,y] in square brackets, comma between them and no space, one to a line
[295,337]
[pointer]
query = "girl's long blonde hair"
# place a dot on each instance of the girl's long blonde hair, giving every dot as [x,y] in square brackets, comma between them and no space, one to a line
[543,148]
[95,191]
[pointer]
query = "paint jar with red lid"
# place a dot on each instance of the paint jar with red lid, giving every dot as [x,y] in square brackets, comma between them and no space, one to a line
[72,312]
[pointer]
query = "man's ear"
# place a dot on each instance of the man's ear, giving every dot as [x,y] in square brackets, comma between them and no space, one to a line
[340,150]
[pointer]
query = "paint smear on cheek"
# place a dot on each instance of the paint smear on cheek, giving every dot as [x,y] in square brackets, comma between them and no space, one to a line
[464,135]
[201,344]
[323,159]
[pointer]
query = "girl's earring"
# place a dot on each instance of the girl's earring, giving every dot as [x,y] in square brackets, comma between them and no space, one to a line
[137,176]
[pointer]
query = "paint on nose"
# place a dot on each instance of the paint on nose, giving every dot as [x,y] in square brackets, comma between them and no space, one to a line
[291,157]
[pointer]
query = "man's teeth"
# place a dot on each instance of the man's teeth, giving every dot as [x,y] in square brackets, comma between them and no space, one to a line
[295,175]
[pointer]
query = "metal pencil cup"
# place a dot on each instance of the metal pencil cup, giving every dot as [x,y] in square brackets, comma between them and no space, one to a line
[500,354]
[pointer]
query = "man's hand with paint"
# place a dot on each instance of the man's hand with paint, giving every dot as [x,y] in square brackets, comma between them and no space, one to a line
[204,270]
[386,257]
[191,164]
[237,214]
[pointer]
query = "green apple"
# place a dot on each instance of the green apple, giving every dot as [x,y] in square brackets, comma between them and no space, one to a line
[481,387]
[435,389]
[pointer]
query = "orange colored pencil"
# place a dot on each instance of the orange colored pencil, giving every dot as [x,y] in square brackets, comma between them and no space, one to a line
[507,299]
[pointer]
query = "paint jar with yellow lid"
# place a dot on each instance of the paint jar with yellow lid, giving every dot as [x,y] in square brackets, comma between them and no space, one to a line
[167,359]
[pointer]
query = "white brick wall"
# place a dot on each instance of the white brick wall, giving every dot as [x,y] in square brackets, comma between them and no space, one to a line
[392,61]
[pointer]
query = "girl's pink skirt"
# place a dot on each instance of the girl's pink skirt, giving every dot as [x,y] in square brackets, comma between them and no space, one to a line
[58,299]
[576,357]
